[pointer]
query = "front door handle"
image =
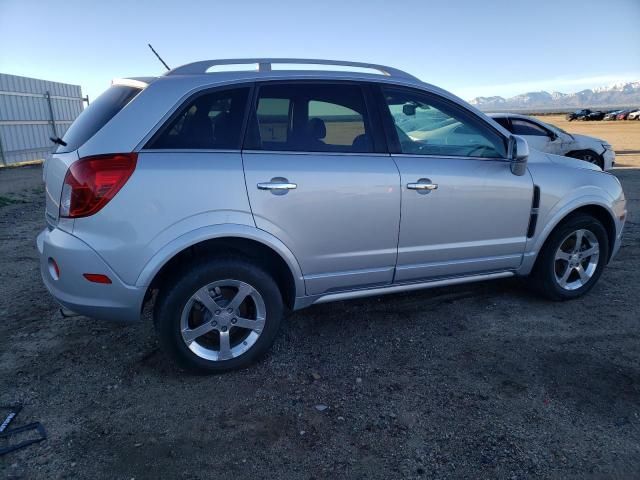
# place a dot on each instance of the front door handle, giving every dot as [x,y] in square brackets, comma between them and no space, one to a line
[276,186]
[424,185]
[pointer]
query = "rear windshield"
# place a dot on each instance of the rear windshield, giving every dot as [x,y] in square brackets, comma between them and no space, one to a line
[96,116]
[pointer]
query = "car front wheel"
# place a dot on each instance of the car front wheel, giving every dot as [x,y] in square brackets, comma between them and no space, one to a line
[589,156]
[572,259]
[220,315]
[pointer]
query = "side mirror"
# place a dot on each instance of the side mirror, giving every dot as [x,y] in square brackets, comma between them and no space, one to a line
[552,136]
[519,155]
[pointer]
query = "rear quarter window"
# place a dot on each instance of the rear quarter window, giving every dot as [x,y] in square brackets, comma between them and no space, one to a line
[211,121]
[96,116]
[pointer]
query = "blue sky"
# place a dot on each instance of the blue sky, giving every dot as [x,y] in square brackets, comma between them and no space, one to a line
[471,48]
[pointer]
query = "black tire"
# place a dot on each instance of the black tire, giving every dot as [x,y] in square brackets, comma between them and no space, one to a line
[543,276]
[588,156]
[173,298]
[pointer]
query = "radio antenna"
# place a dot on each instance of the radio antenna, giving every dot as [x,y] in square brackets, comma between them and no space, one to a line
[159,57]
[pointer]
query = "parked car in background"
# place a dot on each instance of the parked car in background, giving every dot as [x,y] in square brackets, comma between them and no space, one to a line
[231,198]
[612,115]
[585,114]
[624,114]
[551,139]
[635,115]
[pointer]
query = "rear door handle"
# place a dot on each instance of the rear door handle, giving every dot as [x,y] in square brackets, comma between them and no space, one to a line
[277,186]
[424,184]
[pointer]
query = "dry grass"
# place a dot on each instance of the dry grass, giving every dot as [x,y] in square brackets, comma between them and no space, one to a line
[623,135]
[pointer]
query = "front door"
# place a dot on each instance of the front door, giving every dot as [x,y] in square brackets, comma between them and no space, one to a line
[463,211]
[319,179]
[537,136]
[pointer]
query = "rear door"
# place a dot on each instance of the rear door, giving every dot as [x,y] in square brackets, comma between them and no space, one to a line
[463,211]
[320,180]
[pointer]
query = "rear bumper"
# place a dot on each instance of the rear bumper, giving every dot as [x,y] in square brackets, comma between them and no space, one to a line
[116,301]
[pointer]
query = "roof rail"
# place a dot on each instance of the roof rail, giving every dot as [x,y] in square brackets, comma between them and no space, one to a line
[264,65]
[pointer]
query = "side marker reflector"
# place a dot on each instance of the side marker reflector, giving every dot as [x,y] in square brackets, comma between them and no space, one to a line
[97,278]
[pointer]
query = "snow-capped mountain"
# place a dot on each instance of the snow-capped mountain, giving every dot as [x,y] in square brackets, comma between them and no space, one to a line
[617,95]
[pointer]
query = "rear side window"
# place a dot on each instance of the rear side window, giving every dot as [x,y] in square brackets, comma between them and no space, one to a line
[96,116]
[209,122]
[523,127]
[311,118]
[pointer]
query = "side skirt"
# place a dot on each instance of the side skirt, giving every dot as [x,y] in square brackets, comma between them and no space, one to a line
[302,302]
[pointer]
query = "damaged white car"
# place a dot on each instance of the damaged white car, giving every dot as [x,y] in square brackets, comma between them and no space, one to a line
[551,139]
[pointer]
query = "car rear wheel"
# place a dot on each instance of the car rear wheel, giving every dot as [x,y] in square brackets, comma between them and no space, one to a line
[219,315]
[572,259]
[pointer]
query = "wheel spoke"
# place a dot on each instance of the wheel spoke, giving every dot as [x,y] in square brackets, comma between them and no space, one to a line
[589,252]
[256,325]
[565,276]
[204,297]
[560,255]
[190,335]
[243,291]
[583,275]
[225,346]
[579,236]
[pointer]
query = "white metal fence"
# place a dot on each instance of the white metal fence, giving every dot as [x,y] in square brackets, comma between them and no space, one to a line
[31,111]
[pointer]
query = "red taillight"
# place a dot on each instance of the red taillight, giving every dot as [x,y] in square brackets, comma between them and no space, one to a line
[92,181]
[97,278]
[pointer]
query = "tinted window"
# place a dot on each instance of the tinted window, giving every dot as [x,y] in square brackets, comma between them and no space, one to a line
[504,121]
[524,127]
[96,116]
[211,121]
[427,125]
[312,118]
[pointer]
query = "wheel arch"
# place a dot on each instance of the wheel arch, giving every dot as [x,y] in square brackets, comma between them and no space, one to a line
[241,240]
[596,210]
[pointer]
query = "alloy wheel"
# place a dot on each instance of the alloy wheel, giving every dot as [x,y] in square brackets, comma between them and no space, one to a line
[576,259]
[223,319]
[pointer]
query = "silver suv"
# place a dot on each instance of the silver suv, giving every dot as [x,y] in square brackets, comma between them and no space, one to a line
[238,196]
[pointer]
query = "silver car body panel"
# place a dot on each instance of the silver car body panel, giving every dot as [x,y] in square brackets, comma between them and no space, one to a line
[341,220]
[460,228]
[350,228]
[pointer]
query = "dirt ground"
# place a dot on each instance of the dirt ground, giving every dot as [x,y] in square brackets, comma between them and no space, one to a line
[623,135]
[476,381]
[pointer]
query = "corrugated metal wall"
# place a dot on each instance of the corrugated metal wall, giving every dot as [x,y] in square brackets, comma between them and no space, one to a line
[26,120]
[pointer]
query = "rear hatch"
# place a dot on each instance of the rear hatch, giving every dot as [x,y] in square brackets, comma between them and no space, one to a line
[92,119]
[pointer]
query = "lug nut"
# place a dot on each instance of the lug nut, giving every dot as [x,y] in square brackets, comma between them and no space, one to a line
[224,329]
[214,323]
[234,320]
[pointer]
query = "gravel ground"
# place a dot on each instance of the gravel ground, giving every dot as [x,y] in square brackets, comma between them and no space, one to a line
[486,380]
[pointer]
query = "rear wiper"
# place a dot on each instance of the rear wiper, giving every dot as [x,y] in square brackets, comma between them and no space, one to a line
[58,141]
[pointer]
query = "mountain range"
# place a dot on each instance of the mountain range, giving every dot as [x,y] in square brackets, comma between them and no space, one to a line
[617,95]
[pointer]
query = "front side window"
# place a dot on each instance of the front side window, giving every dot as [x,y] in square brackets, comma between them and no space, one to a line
[427,125]
[210,121]
[311,118]
[503,121]
[524,127]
